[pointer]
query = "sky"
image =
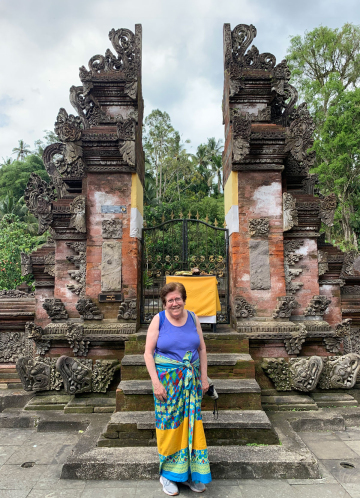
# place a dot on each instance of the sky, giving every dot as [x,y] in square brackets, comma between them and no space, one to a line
[44,42]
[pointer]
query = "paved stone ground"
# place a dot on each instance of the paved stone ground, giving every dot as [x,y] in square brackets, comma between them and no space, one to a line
[50,450]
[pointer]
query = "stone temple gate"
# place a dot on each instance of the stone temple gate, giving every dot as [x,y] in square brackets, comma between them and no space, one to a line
[293,298]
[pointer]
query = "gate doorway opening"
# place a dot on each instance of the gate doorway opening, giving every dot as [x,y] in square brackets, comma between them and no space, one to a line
[180,245]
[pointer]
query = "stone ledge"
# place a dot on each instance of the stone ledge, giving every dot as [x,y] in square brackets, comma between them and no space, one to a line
[222,386]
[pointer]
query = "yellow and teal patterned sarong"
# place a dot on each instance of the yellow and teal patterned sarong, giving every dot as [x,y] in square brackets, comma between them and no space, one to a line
[179,429]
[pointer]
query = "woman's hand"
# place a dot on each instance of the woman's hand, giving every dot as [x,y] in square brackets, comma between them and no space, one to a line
[160,392]
[205,385]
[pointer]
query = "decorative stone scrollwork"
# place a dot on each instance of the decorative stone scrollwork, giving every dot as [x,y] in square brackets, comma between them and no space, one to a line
[35,332]
[317,306]
[340,372]
[285,94]
[327,209]
[53,157]
[88,107]
[294,345]
[74,336]
[50,264]
[67,127]
[352,342]
[241,136]
[26,265]
[309,184]
[79,261]
[55,308]
[290,259]
[285,306]
[103,373]
[78,219]
[38,197]
[14,293]
[348,264]
[242,308]
[259,227]
[112,229]
[88,310]
[128,310]
[242,36]
[290,214]
[76,375]
[299,136]
[342,330]
[301,374]
[323,264]
[12,346]
[35,375]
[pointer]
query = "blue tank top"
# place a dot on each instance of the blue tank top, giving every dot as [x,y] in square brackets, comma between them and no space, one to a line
[173,342]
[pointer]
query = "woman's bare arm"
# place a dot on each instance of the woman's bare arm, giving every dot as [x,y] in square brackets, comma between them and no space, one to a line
[202,357]
[151,340]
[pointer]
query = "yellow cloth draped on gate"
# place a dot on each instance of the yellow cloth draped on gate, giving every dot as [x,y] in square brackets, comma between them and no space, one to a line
[202,294]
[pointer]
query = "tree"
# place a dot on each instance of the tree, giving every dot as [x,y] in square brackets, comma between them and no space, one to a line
[214,148]
[339,170]
[15,238]
[324,63]
[49,138]
[21,150]
[14,176]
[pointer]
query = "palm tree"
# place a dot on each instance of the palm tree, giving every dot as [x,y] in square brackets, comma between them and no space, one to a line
[21,150]
[214,149]
[8,205]
[7,161]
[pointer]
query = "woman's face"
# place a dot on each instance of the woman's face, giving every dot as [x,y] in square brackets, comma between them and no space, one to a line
[174,304]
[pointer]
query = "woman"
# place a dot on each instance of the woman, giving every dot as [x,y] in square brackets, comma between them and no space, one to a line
[175,356]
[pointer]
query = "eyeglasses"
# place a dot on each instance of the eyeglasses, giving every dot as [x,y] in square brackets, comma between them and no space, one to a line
[176,300]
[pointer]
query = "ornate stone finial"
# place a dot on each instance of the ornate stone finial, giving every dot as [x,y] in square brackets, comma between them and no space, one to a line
[259,227]
[241,136]
[78,219]
[241,38]
[299,136]
[26,265]
[112,229]
[340,372]
[128,310]
[55,308]
[77,376]
[323,265]
[327,209]
[88,310]
[317,306]
[290,214]
[38,197]
[243,309]
[68,127]
[301,374]
[285,306]
[294,345]
[74,336]
[35,332]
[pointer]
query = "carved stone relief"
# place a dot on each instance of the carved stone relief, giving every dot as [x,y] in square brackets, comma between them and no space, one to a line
[290,259]
[38,197]
[50,264]
[327,209]
[285,95]
[35,375]
[55,308]
[317,306]
[352,342]
[26,266]
[128,310]
[285,307]
[323,264]
[243,309]
[35,332]
[340,372]
[111,266]
[290,214]
[299,136]
[79,275]
[12,346]
[342,330]
[259,227]
[88,310]
[78,219]
[112,229]
[309,184]
[241,136]
[76,375]
[301,374]
[75,337]
[348,264]
[103,373]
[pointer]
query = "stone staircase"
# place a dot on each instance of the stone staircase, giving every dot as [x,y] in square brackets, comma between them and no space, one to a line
[241,419]
[9,378]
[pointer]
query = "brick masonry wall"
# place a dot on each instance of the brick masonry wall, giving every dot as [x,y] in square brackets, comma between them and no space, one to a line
[333,314]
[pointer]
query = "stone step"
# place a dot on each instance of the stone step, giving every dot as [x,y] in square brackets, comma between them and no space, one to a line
[288,402]
[220,365]
[234,394]
[48,402]
[11,368]
[232,427]
[333,399]
[9,375]
[103,404]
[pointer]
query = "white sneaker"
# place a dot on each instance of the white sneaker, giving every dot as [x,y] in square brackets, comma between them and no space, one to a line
[169,487]
[198,487]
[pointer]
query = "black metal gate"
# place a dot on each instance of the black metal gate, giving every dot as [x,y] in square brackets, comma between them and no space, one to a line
[179,245]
